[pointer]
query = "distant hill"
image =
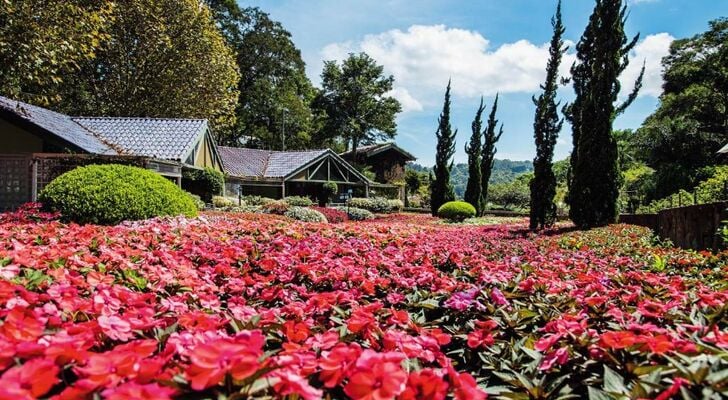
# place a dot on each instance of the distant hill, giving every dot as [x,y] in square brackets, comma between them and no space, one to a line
[504,171]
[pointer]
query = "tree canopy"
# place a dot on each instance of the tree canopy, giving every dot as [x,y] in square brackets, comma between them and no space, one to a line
[474,189]
[441,188]
[355,101]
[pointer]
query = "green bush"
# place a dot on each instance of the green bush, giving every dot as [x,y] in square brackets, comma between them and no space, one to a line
[707,191]
[257,200]
[109,194]
[356,214]
[456,211]
[329,190]
[373,204]
[395,205]
[222,202]
[197,200]
[305,214]
[203,182]
[298,201]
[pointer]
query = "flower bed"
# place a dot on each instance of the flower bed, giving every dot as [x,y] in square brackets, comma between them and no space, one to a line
[248,306]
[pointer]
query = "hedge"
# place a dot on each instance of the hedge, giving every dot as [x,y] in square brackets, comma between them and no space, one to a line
[111,193]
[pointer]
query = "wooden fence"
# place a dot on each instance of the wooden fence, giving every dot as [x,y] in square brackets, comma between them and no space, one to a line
[691,227]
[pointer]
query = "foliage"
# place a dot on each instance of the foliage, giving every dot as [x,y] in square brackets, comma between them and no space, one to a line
[274,92]
[546,126]
[710,190]
[109,194]
[305,214]
[298,201]
[257,200]
[490,138]
[602,55]
[504,171]
[441,190]
[329,190]
[514,195]
[262,307]
[333,215]
[43,42]
[357,214]
[222,202]
[355,98]
[199,204]
[412,184]
[375,204]
[205,183]
[474,190]
[163,58]
[689,126]
[278,207]
[457,211]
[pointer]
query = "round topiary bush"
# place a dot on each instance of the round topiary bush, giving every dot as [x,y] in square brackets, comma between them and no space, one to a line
[205,183]
[305,214]
[109,194]
[356,214]
[456,211]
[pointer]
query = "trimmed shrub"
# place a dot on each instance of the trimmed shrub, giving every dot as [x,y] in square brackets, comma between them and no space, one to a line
[305,214]
[329,190]
[257,200]
[298,201]
[357,214]
[203,182]
[111,193]
[395,205]
[222,202]
[278,207]
[332,215]
[197,200]
[456,211]
[373,204]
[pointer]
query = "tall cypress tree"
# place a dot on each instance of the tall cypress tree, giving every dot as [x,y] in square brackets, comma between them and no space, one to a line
[602,55]
[473,190]
[546,128]
[442,190]
[489,150]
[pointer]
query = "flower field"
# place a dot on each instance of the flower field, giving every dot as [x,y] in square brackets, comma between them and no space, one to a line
[259,306]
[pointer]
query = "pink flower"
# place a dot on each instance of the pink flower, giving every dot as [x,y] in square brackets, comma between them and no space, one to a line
[115,328]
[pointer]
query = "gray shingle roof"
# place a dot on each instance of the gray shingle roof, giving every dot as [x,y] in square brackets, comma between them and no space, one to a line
[169,139]
[264,163]
[372,149]
[59,125]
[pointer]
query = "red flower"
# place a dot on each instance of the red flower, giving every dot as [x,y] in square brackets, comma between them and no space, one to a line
[618,339]
[135,391]
[425,385]
[239,356]
[482,337]
[335,363]
[377,376]
[559,357]
[464,386]
[21,325]
[30,380]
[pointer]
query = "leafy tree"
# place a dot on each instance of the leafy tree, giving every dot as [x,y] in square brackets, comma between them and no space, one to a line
[546,126]
[42,42]
[489,150]
[602,55]
[683,135]
[274,92]
[163,58]
[355,102]
[440,187]
[473,191]
[412,183]
[512,195]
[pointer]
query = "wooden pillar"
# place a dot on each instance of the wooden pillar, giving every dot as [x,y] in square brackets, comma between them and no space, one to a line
[33,179]
[283,190]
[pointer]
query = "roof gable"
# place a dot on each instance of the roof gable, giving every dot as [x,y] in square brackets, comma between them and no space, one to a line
[373,149]
[170,139]
[59,125]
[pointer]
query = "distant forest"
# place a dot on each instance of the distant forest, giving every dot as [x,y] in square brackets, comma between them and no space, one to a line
[504,171]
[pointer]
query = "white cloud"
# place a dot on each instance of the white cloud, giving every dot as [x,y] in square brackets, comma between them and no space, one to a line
[650,51]
[408,102]
[424,57]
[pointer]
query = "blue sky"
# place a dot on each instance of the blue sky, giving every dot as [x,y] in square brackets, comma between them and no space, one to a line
[486,46]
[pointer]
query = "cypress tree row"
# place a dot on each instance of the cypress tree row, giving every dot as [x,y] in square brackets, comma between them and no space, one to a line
[602,55]
[489,150]
[442,190]
[546,128]
[473,190]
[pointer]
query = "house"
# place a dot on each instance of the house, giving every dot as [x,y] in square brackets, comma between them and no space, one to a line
[386,160]
[37,145]
[277,174]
